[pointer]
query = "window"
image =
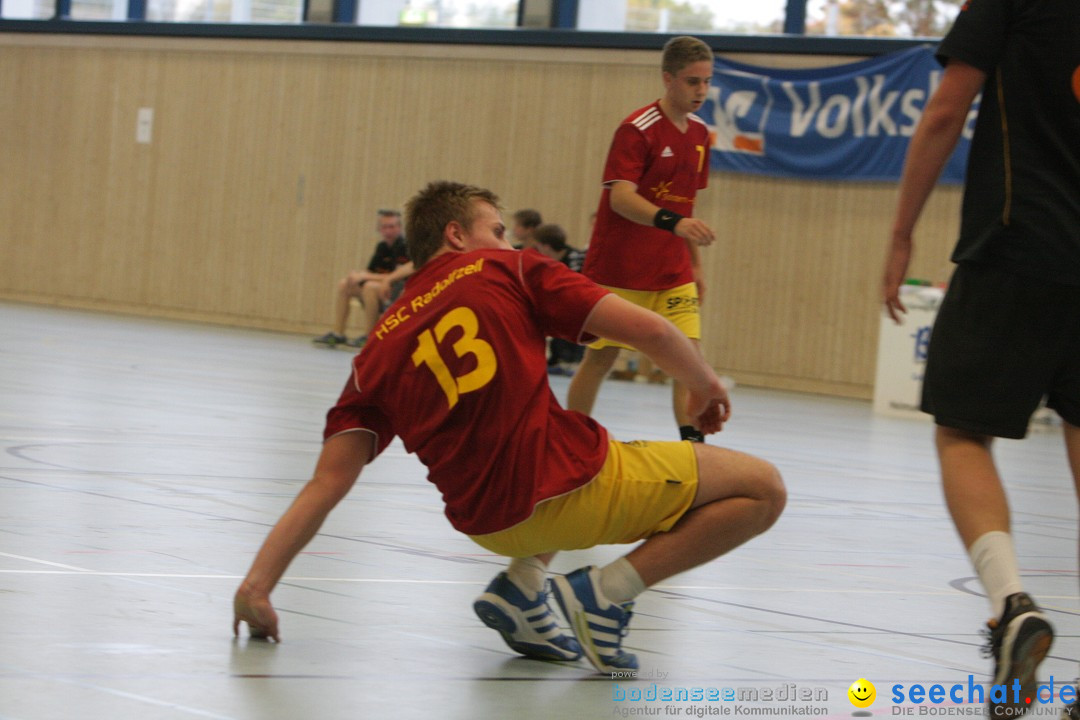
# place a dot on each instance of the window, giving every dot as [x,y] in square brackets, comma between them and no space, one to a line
[28,9]
[891,18]
[99,9]
[224,11]
[439,13]
[689,16]
[853,18]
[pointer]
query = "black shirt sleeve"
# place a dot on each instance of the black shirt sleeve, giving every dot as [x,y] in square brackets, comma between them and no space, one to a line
[978,35]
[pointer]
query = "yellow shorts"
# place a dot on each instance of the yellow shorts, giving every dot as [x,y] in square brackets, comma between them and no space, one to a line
[680,305]
[642,489]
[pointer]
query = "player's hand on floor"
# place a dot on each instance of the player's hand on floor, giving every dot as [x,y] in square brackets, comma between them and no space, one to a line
[258,613]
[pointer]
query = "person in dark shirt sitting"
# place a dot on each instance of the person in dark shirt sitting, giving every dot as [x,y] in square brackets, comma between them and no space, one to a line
[375,287]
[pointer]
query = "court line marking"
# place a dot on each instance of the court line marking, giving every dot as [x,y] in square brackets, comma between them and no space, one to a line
[129,696]
[43,562]
[408,581]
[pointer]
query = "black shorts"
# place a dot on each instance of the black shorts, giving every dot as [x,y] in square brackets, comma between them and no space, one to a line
[1001,342]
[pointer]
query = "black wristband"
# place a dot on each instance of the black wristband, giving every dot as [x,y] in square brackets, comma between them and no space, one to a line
[666,219]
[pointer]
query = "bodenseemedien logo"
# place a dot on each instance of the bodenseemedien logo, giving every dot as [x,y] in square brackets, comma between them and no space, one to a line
[786,701]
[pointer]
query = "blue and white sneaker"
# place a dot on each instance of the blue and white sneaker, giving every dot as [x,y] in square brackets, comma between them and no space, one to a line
[599,624]
[528,626]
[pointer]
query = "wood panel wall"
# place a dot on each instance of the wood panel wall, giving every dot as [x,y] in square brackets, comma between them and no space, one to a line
[269,159]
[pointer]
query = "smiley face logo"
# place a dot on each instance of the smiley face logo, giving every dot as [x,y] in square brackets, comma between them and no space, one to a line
[862,693]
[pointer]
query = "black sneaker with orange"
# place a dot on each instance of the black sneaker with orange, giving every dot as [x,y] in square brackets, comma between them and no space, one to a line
[1018,642]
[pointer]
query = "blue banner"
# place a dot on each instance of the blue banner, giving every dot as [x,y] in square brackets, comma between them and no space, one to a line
[846,122]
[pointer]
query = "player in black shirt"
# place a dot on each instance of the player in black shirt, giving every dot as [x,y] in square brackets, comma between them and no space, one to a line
[1008,332]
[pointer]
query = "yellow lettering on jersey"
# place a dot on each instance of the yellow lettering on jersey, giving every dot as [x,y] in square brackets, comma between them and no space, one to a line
[391,321]
[427,353]
[418,302]
[394,320]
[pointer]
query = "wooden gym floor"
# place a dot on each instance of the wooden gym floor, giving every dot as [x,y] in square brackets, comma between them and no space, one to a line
[144,461]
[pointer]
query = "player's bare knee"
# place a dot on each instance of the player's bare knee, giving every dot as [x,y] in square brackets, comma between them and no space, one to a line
[370,292]
[351,285]
[725,474]
[766,486]
[774,494]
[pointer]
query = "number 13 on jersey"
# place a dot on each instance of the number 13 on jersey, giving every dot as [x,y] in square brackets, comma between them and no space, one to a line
[428,353]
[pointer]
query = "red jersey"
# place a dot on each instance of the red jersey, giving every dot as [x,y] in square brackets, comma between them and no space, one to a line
[457,368]
[668,167]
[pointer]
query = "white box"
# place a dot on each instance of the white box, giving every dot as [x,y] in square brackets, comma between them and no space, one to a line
[901,360]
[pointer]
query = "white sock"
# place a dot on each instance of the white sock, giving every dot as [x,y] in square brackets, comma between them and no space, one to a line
[995,562]
[528,574]
[620,582]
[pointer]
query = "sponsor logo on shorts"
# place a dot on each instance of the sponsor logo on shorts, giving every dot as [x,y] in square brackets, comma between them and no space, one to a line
[683,302]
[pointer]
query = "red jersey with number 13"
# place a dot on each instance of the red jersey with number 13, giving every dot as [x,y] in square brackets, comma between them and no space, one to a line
[457,368]
[668,167]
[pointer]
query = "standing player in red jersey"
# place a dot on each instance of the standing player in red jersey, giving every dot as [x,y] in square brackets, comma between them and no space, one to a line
[644,245]
[457,369]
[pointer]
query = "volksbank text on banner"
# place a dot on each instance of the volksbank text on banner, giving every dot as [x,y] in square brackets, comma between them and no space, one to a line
[846,122]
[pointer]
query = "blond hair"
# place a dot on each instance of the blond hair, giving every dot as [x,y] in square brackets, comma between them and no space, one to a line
[433,208]
[682,51]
